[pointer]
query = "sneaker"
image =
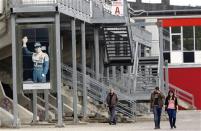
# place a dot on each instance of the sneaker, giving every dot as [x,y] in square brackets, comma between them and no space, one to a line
[174,126]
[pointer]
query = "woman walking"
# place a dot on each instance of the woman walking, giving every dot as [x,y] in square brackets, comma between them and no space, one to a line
[171,106]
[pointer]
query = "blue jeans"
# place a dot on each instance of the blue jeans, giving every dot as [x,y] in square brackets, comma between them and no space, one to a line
[172,117]
[37,75]
[112,114]
[157,116]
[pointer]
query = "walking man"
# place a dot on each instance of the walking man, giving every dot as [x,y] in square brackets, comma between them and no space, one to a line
[112,101]
[156,106]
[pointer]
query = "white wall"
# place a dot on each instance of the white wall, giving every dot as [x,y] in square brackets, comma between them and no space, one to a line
[198,57]
[1,6]
[155,37]
[176,57]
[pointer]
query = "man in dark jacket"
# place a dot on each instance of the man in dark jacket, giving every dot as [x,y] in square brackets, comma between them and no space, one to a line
[112,101]
[156,106]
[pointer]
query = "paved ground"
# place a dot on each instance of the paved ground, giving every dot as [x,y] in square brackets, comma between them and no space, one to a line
[187,121]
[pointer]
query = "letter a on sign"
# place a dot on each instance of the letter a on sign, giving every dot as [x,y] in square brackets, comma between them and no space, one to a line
[117,11]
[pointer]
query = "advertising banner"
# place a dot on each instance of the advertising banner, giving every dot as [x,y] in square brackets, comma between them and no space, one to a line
[35,45]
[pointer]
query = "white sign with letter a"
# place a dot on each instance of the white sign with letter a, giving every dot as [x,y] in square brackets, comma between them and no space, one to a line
[118,7]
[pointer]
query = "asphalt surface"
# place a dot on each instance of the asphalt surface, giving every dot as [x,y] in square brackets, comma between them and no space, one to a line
[186,121]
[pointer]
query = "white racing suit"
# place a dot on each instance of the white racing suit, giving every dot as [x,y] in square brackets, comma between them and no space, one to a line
[40,65]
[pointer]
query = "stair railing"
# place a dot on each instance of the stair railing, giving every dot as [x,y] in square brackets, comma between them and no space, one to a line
[98,91]
[183,95]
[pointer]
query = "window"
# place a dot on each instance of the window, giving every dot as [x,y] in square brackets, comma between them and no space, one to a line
[166,39]
[188,57]
[188,39]
[166,45]
[197,38]
[176,29]
[176,42]
[166,56]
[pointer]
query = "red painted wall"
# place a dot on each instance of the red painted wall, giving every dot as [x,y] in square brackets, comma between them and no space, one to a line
[188,79]
[181,22]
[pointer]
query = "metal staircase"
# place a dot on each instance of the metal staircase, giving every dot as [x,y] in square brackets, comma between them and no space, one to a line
[147,77]
[117,45]
[98,91]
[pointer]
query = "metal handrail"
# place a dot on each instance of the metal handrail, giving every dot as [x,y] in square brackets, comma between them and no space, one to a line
[180,94]
[77,6]
[98,91]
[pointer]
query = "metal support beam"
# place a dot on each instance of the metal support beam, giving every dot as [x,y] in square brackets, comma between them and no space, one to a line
[96,45]
[114,73]
[84,69]
[166,77]
[14,71]
[135,66]
[108,72]
[143,24]
[35,114]
[35,20]
[161,76]
[75,99]
[122,70]
[46,94]
[58,69]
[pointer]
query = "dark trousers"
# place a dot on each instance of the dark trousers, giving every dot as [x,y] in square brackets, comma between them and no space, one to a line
[172,117]
[112,114]
[157,116]
[37,75]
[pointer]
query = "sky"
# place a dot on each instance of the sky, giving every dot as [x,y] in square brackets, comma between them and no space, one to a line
[175,2]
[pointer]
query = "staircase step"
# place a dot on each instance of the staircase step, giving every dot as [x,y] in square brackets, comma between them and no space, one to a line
[117,45]
[149,60]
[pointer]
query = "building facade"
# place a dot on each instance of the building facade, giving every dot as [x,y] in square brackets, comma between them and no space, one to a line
[181,45]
